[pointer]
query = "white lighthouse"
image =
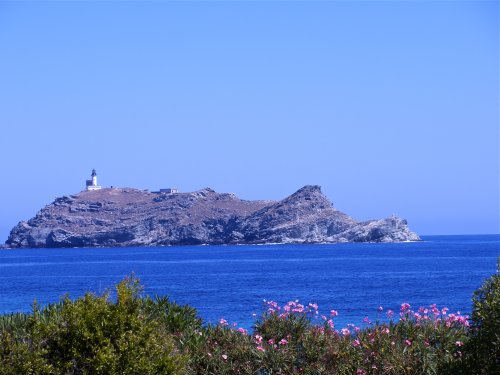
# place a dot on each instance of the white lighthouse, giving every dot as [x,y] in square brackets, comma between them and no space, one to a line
[92,183]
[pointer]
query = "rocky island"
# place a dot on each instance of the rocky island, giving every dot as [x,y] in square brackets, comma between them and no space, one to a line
[131,217]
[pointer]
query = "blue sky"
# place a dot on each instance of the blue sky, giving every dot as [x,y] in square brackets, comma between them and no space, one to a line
[392,107]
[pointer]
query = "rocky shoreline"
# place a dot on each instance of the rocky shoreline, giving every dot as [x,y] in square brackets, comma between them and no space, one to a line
[130,217]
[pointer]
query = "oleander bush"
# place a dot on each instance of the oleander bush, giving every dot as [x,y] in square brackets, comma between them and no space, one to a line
[286,341]
[130,334]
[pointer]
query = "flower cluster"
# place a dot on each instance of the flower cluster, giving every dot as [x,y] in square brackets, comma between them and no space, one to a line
[431,314]
[285,334]
[291,307]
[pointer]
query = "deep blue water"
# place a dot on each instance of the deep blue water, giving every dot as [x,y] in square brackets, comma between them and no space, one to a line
[232,281]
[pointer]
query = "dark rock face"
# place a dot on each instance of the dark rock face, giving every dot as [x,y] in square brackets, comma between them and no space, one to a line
[131,217]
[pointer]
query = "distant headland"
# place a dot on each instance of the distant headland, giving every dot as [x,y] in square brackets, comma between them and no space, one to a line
[106,217]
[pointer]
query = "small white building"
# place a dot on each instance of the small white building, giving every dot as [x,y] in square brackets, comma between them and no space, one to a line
[92,183]
[169,191]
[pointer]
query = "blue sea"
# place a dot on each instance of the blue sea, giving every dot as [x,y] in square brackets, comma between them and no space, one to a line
[231,282]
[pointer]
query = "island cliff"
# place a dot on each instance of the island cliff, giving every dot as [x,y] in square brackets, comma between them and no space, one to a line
[131,217]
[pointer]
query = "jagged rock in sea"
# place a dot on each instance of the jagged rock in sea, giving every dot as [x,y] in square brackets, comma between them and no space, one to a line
[131,217]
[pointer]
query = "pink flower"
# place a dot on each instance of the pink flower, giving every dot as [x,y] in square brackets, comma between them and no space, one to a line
[380,308]
[407,342]
[361,372]
[261,348]
[390,314]
[299,308]
[334,313]
[271,341]
[258,339]
[243,331]
[224,357]
[459,343]
[345,331]
[444,310]
[435,310]
[366,320]
[283,342]
[356,343]
[272,306]
[458,319]
[313,306]
[223,322]
[405,307]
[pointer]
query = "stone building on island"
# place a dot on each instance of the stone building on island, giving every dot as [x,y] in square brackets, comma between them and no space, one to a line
[166,191]
[169,191]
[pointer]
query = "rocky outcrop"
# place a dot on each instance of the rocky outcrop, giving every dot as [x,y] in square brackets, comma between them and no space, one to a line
[131,217]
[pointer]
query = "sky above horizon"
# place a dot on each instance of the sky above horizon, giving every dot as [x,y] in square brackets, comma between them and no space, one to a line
[392,107]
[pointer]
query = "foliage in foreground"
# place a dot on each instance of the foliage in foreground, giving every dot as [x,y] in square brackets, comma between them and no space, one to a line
[483,347]
[286,341]
[134,335]
[93,335]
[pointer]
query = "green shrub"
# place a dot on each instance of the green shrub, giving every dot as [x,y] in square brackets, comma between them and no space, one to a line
[484,345]
[92,335]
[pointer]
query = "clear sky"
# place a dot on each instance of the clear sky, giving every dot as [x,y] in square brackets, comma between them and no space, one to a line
[392,107]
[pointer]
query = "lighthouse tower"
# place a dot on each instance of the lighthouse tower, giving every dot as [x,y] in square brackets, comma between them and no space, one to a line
[92,183]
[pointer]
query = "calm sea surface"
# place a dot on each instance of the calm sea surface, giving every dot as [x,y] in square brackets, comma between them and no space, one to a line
[232,281]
